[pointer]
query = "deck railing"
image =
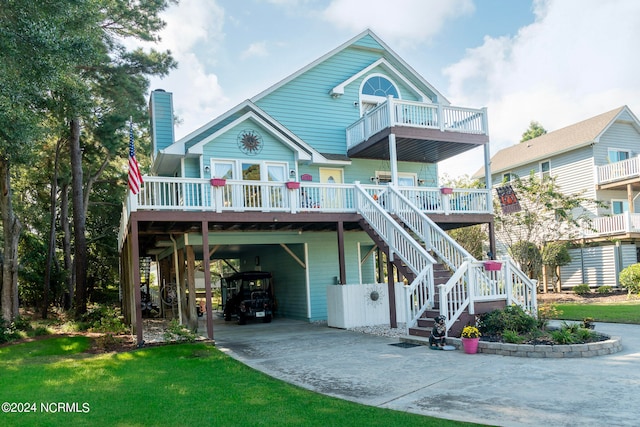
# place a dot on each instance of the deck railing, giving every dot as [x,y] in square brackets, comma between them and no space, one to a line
[183,194]
[615,224]
[395,112]
[618,171]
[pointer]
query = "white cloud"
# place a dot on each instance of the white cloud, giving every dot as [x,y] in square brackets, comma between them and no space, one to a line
[193,26]
[257,49]
[401,21]
[575,61]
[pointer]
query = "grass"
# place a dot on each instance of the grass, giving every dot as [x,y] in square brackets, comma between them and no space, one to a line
[628,312]
[173,385]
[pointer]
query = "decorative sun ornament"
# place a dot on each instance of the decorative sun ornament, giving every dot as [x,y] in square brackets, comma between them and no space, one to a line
[250,142]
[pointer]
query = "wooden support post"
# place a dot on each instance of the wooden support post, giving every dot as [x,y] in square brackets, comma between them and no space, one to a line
[391,286]
[341,261]
[192,318]
[207,278]
[135,256]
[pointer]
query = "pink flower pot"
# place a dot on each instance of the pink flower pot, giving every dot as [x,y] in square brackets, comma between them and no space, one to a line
[292,185]
[470,345]
[446,190]
[218,182]
[492,265]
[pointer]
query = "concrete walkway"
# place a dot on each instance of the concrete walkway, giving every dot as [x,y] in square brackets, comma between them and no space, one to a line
[486,389]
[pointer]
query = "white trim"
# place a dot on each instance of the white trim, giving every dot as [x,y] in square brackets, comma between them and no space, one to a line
[540,171]
[441,99]
[198,148]
[339,89]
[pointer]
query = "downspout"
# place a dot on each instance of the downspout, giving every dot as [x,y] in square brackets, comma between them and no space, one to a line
[175,266]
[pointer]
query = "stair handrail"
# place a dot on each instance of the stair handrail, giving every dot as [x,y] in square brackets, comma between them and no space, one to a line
[524,295]
[458,286]
[419,293]
[434,238]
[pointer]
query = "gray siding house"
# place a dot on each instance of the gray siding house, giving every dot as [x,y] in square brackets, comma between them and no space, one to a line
[598,158]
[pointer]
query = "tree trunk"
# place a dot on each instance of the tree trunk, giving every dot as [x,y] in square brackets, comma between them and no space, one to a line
[52,233]
[79,220]
[66,244]
[11,230]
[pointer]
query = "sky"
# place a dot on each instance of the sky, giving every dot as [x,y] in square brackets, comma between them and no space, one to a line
[553,61]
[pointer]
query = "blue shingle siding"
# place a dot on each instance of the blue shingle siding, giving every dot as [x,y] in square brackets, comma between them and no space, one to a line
[161,111]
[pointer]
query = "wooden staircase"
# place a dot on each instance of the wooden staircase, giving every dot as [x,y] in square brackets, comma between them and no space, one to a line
[425,323]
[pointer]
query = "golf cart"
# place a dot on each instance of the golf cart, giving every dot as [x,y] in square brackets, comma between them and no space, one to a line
[248,295]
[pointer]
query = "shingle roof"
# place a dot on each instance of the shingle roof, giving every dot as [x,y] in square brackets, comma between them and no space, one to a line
[552,143]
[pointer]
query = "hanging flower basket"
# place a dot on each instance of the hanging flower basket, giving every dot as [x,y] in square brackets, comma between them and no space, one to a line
[292,185]
[218,182]
[492,265]
[446,190]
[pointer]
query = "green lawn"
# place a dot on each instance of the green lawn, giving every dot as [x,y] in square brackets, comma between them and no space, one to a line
[173,385]
[628,312]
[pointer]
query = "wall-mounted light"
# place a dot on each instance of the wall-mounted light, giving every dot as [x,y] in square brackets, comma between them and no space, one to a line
[207,169]
[292,173]
[257,260]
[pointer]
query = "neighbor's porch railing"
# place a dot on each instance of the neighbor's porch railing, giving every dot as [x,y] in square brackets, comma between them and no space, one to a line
[618,171]
[615,224]
[395,112]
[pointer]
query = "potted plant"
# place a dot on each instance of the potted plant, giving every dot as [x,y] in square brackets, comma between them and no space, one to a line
[470,337]
[218,182]
[446,190]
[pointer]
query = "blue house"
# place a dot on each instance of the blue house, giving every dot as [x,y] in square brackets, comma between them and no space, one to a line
[320,179]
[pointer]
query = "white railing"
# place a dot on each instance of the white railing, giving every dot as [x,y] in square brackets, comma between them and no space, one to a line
[420,291]
[434,238]
[455,200]
[615,224]
[617,171]
[474,282]
[395,112]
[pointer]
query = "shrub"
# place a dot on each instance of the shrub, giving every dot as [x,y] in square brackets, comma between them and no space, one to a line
[630,279]
[106,319]
[8,331]
[512,337]
[581,290]
[512,318]
[178,332]
[546,312]
[562,336]
[603,290]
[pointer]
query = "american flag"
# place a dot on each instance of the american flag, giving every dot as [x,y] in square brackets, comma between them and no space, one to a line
[135,177]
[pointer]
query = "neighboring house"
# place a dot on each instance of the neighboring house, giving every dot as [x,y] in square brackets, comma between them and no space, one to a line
[302,181]
[598,158]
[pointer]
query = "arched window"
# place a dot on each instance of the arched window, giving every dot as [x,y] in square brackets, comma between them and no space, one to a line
[375,90]
[379,86]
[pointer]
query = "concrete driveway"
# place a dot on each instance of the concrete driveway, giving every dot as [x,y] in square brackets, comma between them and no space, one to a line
[481,388]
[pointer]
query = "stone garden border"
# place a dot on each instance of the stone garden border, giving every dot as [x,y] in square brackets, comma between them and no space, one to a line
[557,351]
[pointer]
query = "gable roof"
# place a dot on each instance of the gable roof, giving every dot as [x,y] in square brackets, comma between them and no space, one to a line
[553,143]
[393,61]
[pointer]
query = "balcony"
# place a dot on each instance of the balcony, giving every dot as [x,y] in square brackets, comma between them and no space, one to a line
[625,224]
[201,195]
[616,176]
[424,132]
